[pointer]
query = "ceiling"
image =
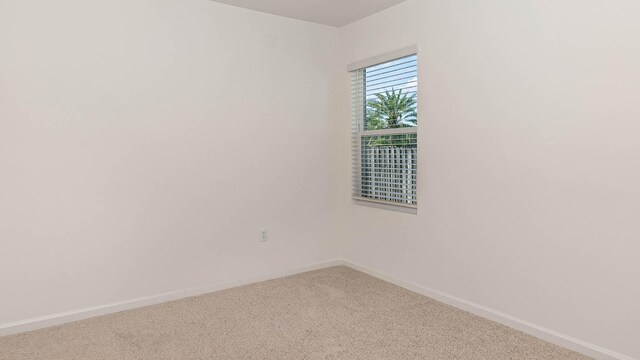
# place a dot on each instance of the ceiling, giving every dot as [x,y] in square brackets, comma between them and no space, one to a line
[328,12]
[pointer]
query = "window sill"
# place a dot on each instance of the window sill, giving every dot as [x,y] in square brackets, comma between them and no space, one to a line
[407,209]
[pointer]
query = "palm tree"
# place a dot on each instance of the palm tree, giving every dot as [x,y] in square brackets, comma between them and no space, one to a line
[391,110]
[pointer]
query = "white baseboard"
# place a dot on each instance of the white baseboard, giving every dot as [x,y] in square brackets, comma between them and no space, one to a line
[548,335]
[81,314]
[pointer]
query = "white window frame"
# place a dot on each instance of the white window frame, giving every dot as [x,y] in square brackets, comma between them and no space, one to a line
[358,132]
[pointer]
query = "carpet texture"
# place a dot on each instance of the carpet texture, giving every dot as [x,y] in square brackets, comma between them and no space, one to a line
[334,313]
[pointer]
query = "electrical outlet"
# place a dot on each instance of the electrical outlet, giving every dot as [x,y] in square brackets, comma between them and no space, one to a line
[264,236]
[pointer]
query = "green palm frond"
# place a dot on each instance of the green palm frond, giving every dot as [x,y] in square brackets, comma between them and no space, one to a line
[391,109]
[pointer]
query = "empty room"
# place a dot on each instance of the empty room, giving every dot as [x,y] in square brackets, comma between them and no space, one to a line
[307,179]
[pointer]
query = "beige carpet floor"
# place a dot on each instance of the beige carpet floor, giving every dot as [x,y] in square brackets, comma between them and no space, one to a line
[334,313]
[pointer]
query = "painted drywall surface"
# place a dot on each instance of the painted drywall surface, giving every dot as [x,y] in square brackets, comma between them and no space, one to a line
[145,144]
[528,165]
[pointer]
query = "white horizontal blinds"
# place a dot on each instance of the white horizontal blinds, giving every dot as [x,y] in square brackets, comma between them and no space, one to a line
[384,132]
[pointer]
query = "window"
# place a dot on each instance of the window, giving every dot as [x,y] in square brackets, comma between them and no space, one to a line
[384,135]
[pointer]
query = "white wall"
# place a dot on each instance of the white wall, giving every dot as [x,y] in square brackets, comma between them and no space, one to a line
[529,161]
[145,144]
